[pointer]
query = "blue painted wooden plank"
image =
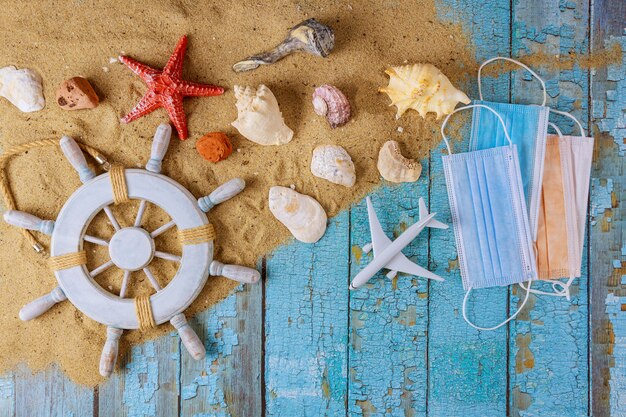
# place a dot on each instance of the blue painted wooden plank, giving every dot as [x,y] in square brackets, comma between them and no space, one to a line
[607,258]
[389,317]
[228,381]
[7,395]
[306,325]
[467,368]
[50,394]
[549,345]
[146,383]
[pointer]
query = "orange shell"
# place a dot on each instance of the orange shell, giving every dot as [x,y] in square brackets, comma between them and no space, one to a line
[214,146]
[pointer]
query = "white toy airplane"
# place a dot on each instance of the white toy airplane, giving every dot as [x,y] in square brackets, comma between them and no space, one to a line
[388,254]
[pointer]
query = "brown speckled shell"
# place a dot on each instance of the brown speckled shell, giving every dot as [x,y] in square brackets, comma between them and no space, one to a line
[337,105]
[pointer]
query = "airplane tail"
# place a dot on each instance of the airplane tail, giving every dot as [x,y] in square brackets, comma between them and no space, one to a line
[432,223]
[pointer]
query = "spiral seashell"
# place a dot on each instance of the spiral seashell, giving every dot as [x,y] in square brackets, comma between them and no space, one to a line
[422,87]
[329,101]
[396,168]
[22,88]
[302,215]
[259,119]
[332,163]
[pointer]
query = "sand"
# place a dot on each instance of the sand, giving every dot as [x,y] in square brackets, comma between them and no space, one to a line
[66,39]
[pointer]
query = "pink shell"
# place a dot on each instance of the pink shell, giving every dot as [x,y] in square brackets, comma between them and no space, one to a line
[329,101]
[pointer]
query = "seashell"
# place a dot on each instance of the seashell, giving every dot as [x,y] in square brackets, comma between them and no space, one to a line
[308,36]
[302,215]
[333,163]
[329,101]
[22,88]
[76,94]
[259,118]
[394,167]
[214,147]
[422,87]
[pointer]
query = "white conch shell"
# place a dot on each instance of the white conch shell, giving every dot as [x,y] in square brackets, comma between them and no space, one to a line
[333,163]
[259,118]
[22,88]
[302,215]
[396,168]
[422,87]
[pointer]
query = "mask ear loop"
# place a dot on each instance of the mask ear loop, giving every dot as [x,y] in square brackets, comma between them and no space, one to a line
[445,139]
[445,122]
[566,114]
[502,58]
[528,291]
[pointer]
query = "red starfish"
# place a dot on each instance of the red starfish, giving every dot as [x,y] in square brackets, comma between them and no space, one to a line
[167,89]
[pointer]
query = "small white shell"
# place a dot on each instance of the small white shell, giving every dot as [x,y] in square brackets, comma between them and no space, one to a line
[22,88]
[424,88]
[396,168]
[302,215]
[259,119]
[332,163]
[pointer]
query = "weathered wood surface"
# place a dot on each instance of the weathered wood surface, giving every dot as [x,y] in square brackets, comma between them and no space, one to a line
[301,344]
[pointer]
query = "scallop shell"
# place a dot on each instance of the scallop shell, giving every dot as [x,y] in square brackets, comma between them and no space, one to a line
[302,215]
[329,101]
[422,87]
[396,168]
[332,163]
[22,88]
[259,118]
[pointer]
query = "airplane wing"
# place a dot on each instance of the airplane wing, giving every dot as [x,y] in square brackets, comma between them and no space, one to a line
[379,239]
[399,262]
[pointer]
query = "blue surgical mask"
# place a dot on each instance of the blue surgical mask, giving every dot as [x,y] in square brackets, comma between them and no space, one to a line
[489,215]
[527,126]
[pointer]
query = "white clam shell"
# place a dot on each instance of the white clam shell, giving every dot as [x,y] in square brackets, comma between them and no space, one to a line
[259,119]
[302,215]
[22,88]
[332,163]
[424,88]
[396,168]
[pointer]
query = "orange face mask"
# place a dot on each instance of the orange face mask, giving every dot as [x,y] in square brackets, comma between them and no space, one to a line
[557,237]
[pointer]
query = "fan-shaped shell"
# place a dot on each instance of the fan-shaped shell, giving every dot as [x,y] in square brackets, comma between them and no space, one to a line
[22,87]
[396,168]
[302,215]
[422,87]
[329,101]
[258,117]
[333,163]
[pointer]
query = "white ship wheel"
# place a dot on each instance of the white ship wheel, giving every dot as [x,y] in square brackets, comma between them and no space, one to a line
[131,249]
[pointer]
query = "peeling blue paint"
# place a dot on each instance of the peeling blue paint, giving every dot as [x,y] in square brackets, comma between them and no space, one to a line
[141,382]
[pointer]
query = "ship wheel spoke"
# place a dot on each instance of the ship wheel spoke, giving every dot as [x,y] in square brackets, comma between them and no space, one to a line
[101,268]
[124,284]
[152,279]
[167,256]
[112,218]
[96,240]
[167,226]
[142,209]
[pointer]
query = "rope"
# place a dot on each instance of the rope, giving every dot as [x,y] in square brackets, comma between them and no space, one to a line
[118,184]
[197,235]
[143,310]
[67,261]
[5,188]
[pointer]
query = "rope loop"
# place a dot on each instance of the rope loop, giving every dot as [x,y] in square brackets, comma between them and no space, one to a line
[143,310]
[118,184]
[196,235]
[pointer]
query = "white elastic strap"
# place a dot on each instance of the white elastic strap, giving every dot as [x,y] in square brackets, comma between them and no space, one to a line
[445,122]
[528,290]
[556,129]
[571,116]
[558,292]
[502,58]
